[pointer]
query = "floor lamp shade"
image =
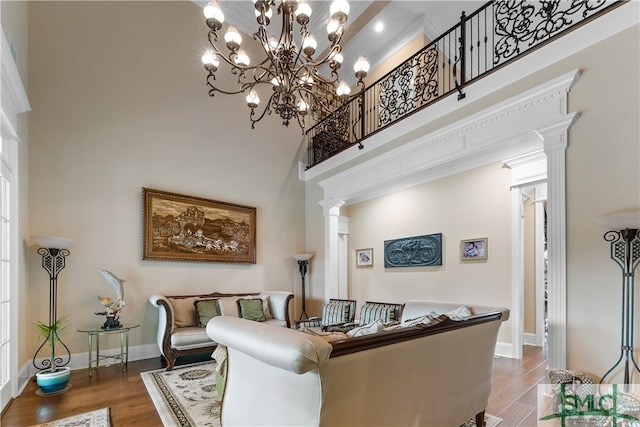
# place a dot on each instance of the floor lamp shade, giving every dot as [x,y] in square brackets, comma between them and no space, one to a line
[628,219]
[52,242]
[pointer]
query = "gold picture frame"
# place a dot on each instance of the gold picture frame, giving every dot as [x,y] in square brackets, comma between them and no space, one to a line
[177,227]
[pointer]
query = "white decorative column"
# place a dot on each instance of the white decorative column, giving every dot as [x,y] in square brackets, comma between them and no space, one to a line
[343,258]
[331,209]
[555,139]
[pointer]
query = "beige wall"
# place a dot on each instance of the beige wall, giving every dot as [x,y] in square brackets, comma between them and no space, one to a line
[602,176]
[120,103]
[459,207]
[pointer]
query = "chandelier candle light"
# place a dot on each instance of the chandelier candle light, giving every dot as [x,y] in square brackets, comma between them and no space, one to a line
[288,69]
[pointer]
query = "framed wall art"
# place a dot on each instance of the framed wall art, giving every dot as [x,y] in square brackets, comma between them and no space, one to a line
[364,257]
[474,249]
[413,251]
[177,227]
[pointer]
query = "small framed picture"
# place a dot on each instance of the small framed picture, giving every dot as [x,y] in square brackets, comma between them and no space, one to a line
[364,257]
[474,249]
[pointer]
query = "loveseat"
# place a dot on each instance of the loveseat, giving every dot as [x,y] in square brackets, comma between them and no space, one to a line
[432,373]
[182,318]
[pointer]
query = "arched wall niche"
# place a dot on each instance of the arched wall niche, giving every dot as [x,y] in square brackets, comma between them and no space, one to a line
[531,121]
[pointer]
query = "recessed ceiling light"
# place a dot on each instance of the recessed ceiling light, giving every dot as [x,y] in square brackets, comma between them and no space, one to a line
[379,27]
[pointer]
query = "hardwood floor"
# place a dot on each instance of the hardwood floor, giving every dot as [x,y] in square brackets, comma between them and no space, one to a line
[513,396]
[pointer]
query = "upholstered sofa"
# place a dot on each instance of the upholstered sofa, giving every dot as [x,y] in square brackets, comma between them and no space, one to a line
[182,318]
[435,373]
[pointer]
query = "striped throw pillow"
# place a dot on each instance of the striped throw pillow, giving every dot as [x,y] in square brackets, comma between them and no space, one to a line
[335,312]
[372,312]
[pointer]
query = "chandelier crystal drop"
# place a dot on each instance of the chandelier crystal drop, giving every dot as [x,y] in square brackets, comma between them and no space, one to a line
[288,74]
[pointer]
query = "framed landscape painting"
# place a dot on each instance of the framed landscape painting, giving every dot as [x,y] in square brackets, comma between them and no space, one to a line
[474,249]
[177,227]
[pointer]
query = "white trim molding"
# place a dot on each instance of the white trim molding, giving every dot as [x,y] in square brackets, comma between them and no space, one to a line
[14,98]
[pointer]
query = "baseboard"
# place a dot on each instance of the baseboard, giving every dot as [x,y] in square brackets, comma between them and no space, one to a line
[504,349]
[530,339]
[81,361]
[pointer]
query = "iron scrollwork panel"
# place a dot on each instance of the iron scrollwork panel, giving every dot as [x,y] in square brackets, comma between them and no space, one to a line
[332,135]
[409,87]
[520,25]
[413,251]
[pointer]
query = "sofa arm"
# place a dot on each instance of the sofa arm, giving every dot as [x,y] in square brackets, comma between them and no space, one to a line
[165,322]
[279,304]
[282,348]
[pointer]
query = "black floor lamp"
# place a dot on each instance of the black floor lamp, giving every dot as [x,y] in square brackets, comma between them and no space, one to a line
[303,262]
[624,239]
[53,250]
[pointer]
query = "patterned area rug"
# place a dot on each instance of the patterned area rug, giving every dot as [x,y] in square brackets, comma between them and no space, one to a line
[187,396]
[98,418]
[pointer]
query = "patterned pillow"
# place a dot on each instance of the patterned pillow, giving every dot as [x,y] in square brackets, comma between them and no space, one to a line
[371,312]
[335,312]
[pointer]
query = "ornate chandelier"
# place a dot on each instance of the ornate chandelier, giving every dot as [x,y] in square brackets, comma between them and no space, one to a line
[288,74]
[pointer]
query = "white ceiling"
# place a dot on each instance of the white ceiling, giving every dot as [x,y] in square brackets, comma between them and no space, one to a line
[403,20]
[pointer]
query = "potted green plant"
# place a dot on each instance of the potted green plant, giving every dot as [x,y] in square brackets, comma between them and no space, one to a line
[54,378]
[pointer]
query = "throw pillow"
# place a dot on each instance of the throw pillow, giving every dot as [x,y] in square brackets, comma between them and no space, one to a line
[420,320]
[184,312]
[371,312]
[372,328]
[229,306]
[266,307]
[207,309]
[251,309]
[459,313]
[335,312]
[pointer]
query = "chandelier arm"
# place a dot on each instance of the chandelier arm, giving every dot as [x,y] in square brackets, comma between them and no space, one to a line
[317,101]
[267,108]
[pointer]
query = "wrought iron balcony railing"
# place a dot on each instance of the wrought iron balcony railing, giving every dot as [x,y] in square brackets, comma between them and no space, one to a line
[493,36]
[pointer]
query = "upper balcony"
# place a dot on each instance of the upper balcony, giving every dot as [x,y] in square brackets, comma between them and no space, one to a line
[495,35]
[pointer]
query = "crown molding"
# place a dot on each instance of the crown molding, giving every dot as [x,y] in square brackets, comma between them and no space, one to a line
[14,98]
